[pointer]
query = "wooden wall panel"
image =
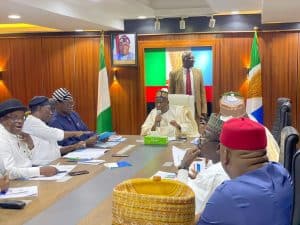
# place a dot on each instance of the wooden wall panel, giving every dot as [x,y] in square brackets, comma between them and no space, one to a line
[85,79]
[230,65]
[38,65]
[5,92]
[280,76]
[58,63]
[25,67]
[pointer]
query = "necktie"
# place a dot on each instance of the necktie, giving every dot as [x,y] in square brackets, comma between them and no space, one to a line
[188,83]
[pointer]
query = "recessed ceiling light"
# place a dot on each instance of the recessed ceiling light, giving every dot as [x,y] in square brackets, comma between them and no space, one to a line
[235,12]
[14,16]
[78,30]
[141,17]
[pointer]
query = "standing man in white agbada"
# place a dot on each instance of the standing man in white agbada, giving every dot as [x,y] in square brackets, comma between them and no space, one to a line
[15,145]
[45,138]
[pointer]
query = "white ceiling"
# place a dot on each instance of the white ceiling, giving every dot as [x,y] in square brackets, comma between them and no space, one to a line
[68,15]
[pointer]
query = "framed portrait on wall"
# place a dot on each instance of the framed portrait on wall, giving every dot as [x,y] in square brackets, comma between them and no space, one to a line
[123,50]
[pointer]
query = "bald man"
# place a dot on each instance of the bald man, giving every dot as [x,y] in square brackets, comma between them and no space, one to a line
[189,80]
[259,192]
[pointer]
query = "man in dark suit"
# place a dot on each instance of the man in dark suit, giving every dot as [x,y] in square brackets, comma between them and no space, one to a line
[189,80]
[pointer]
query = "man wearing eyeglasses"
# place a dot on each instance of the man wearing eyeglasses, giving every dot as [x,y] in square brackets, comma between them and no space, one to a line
[65,118]
[45,137]
[17,146]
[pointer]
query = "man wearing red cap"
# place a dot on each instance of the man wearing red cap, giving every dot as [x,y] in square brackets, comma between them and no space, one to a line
[259,192]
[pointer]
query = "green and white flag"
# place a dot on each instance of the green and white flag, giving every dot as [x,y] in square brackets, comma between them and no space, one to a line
[104,118]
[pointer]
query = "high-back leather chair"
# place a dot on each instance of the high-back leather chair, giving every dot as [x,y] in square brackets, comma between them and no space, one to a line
[288,146]
[183,100]
[296,180]
[283,117]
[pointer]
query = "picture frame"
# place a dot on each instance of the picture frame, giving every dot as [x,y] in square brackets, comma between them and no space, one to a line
[123,49]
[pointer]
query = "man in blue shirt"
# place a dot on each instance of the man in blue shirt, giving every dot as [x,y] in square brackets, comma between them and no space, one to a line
[259,192]
[65,118]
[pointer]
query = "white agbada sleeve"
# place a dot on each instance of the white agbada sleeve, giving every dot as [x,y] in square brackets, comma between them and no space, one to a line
[36,127]
[204,184]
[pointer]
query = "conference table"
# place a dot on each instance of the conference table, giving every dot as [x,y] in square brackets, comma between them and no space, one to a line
[87,199]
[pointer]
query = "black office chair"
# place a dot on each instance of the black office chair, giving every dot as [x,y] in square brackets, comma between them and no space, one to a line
[283,117]
[296,180]
[288,146]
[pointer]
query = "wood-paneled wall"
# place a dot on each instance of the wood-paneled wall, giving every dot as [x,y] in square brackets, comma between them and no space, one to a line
[37,65]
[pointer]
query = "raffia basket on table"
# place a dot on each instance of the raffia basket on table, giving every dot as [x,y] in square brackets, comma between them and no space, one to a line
[153,202]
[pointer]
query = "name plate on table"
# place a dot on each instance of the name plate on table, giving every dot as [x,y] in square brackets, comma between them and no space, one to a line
[155,140]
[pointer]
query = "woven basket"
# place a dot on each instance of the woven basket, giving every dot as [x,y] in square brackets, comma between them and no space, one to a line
[153,202]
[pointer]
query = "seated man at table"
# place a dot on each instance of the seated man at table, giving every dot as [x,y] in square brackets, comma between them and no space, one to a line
[4,180]
[232,105]
[65,118]
[171,121]
[206,181]
[44,137]
[16,146]
[259,192]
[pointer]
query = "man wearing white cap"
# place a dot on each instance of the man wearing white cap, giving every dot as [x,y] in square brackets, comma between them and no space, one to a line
[171,121]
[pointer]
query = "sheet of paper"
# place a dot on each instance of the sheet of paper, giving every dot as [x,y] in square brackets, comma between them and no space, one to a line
[20,192]
[108,144]
[125,149]
[178,155]
[92,162]
[116,138]
[168,164]
[65,168]
[87,153]
[111,165]
[171,138]
[165,175]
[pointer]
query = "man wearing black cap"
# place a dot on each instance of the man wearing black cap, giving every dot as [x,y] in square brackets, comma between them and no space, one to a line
[65,118]
[44,137]
[16,146]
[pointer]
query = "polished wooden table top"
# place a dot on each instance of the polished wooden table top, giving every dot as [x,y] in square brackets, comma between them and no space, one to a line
[66,202]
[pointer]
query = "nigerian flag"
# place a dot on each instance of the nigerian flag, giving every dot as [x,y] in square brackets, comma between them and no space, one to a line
[254,104]
[104,120]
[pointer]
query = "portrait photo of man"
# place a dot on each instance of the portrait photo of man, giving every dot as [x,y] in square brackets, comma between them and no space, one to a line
[124,49]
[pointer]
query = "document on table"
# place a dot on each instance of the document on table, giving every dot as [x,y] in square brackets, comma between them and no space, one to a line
[20,192]
[165,175]
[64,170]
[86,154]
[108,144]
[92,162]
[178,155]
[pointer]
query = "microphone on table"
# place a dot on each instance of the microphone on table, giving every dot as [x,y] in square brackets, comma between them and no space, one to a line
[158,113]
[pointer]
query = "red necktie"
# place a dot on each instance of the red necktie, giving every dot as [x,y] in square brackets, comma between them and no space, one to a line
[188,83]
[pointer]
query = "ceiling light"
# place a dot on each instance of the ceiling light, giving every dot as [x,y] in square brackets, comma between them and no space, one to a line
[235,12]
[212,22]
[79,30]
[141,17]
[182,24]
[14,16]
[157,24]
